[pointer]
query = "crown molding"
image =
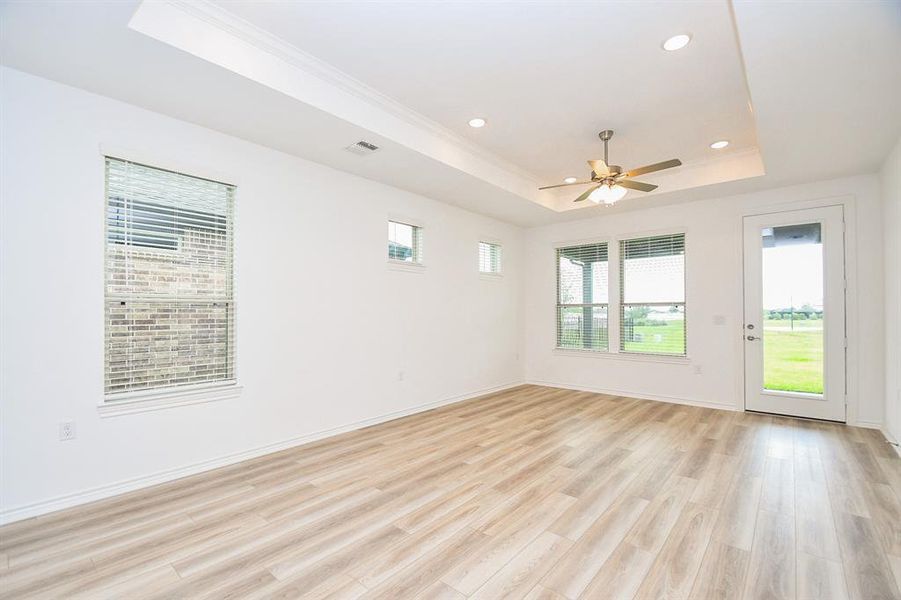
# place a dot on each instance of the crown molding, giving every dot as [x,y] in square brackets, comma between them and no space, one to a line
[213,33]
[265,41]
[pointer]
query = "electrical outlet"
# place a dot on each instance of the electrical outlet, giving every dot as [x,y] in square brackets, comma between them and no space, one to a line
[66,431]
[400,375]
[698,369]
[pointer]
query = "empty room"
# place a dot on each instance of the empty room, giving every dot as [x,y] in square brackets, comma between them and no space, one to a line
[540,300]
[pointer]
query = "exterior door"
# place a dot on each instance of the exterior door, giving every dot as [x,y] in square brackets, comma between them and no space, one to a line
[794,329]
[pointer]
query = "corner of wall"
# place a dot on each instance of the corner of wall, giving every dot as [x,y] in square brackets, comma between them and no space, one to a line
[890,181]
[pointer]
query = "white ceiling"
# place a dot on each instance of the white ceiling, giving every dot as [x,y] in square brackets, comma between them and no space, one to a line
[548,76]
[310,78]
[825,81]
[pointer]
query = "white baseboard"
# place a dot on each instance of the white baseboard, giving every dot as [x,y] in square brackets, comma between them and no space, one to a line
[99,493]
[668,399]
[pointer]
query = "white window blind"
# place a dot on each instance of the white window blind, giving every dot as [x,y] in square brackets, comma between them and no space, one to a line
[404,242]
[489,258]
[170,311]
[652,293]
[582,297]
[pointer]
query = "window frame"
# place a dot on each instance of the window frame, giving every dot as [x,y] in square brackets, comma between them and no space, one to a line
[500,258]
[561,305]
[622,291]
[418,262]
[152,399]
[615,299]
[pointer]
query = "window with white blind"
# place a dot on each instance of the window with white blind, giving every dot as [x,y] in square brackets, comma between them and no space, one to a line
[652,295]
[170,311]
[582,296]
[404,242]
[489,258]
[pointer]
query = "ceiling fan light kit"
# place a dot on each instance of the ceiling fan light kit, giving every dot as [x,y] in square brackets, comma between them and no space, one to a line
[609,182]
[608,194]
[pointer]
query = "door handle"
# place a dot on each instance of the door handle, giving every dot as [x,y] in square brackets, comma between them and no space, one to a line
[752,338]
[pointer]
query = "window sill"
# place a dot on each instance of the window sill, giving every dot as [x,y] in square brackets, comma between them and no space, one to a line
[151,401]
[654,358]
[410,267]
[491,276]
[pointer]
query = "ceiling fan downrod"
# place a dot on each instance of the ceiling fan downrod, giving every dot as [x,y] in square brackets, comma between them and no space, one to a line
[605,137]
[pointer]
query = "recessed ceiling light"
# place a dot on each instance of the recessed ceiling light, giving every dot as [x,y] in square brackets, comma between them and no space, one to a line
[677,42]
[477,122]
[570,180]
[720,144]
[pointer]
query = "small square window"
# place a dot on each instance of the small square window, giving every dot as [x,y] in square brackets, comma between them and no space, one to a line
[489,258]
[404,242]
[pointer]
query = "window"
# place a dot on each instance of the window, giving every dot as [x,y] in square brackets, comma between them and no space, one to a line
[652,294]
[582,289]
[169,306]
[404,242]
[489,258]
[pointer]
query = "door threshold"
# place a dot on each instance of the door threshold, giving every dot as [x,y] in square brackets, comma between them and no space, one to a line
[760,412]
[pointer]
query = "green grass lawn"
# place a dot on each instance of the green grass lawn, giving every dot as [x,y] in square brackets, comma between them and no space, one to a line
[793,360]
[658,339]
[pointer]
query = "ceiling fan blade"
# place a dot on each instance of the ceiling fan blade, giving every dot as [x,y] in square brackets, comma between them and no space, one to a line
[586,193]
[547,187]
[667,164]
[636,185]
[599,167]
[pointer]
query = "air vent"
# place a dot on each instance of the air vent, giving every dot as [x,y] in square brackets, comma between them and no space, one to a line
[362,148]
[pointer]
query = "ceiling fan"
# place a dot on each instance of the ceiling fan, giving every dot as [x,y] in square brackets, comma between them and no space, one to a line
[609,183]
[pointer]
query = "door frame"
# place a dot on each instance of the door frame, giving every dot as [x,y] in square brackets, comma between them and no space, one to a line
[852,351]
[832,403]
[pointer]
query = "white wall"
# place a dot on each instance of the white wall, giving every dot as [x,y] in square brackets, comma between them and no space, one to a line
[310,250]
[714,288]
[891,196]
[323,325]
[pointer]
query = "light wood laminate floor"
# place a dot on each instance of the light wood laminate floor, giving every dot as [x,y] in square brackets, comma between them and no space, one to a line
[531,493]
